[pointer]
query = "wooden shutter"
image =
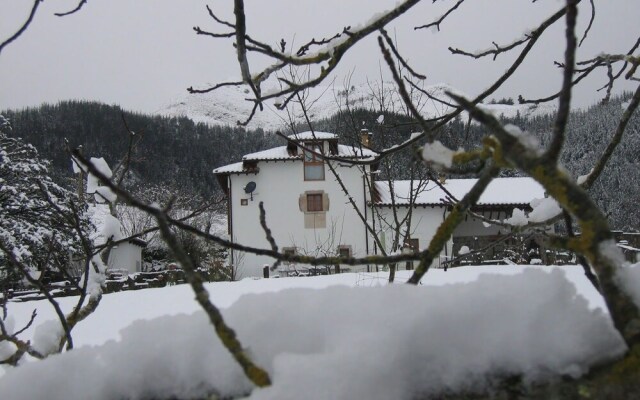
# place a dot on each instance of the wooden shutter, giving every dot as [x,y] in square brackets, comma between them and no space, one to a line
[325,202]
[302,202]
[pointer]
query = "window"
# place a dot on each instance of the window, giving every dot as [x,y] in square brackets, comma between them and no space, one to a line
[313,164]
[288,251]
[414,244]
[314,202]
[344,251]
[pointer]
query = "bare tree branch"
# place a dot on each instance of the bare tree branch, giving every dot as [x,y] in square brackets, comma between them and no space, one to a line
[227,335]
[615,140]
[402,90]
[439,21]
[332,53]
[22,347]
[131,200]
[581,259]
[596,234]
[593,17]
[604,60]
[455,217]
[43,289]
[267,231]
[23,28]
[241,49]
[199,31]
[400,59]
[190,89]
[75,10]
[564,106]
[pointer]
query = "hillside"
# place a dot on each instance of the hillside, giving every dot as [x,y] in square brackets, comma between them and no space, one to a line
[175,153]
[227,105]
[589,131]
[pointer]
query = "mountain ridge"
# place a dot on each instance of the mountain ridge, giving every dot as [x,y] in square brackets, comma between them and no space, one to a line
[227,105]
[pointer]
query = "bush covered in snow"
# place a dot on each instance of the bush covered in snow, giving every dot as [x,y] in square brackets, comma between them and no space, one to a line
[37,218]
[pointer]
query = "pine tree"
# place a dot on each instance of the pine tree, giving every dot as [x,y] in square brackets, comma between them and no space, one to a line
[39,221]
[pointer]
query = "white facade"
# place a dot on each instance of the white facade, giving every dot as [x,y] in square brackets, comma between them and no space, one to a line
[280,184]
[314,216]
[124,256]
[424,222]
[127,256]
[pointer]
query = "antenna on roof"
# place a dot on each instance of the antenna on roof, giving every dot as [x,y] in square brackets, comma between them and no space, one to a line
[250,188]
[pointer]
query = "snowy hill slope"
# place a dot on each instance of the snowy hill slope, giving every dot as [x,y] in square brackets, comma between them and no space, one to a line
[228,105]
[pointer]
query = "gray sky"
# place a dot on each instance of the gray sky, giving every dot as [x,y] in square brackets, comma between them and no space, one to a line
[143,53]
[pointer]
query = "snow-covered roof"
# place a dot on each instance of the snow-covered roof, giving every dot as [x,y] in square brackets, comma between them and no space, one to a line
[282,153]
[228,169]
[355,152]
[308,135]
[501,191]
[627,247]
[276,153]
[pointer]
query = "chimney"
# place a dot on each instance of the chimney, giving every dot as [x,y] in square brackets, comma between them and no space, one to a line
[365,137]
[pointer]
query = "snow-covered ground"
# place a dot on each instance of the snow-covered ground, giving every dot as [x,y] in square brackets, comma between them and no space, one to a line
[331,337]
[227,105]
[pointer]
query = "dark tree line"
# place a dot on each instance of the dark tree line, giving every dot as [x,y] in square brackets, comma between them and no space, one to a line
[174,153]
[617,192]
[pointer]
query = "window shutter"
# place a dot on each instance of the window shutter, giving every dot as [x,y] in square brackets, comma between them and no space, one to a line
[302,202]
[325,202]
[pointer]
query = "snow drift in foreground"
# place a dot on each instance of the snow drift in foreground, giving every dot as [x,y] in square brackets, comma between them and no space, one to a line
[393,342]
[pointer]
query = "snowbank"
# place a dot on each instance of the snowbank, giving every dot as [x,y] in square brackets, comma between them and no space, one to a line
[387,342]
[629,277]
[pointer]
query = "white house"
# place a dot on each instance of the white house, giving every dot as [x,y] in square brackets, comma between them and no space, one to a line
[309,212]
[429,204]
[127,255]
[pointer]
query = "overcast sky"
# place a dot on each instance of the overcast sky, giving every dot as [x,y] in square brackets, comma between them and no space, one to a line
[142,54]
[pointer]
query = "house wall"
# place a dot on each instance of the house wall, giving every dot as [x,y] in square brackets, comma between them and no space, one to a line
[475,227]
[126,256]
[424,223]
[279,185]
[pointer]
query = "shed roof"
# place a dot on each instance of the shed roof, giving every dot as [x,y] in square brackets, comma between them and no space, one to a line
[231,168]
[501,191]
